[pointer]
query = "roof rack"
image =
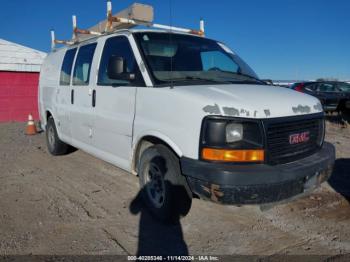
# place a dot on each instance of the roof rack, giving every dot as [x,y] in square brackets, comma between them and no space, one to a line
[135,15]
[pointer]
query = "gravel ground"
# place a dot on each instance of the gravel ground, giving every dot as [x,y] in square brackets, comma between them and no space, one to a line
[78,205]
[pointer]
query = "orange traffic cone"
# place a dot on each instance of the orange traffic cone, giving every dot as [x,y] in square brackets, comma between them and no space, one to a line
[31,128]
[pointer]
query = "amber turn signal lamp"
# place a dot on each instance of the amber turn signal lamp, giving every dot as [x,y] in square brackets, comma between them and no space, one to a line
[233,155]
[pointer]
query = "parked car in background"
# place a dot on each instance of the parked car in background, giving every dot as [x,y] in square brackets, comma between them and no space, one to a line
[345,87]
[331,94]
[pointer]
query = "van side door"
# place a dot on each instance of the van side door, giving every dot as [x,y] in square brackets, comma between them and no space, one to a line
[82,98]
[64,96]
[115,104]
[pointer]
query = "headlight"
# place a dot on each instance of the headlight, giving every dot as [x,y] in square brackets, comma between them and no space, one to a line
[232,139]
[234,132]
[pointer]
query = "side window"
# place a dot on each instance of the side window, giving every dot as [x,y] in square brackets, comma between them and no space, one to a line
[325,87]
[117,46]
[67,67]
[343,87]
[311,88]
[216,60]
[82,66]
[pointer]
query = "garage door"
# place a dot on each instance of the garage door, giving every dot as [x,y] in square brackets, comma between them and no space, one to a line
[18,96]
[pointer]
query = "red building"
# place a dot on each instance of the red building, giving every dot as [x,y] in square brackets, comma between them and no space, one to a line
[19,78]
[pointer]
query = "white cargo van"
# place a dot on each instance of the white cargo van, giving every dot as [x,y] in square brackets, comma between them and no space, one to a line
[187,115]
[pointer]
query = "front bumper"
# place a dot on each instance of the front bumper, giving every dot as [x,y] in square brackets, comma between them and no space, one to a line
[258,183]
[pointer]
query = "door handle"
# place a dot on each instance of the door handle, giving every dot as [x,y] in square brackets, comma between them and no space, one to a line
[72,96]
[93,98]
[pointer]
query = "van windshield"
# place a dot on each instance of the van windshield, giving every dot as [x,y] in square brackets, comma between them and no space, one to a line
[190,60]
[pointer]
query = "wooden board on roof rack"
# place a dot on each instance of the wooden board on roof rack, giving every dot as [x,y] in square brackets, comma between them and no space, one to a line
[138,12]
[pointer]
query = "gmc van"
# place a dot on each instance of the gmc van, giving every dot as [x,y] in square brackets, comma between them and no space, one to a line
[187,115]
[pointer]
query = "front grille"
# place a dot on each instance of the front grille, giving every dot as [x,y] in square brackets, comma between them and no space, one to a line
[279,149]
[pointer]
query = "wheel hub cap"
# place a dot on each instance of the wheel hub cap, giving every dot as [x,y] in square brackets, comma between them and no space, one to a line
[155,185]
[51,136]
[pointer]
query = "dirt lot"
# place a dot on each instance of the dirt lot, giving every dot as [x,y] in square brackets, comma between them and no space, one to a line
[77,204]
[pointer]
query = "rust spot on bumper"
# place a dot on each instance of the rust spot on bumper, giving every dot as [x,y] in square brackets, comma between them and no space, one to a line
[214,192]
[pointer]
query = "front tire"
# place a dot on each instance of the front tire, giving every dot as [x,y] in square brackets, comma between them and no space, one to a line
[164,189]
[55,146]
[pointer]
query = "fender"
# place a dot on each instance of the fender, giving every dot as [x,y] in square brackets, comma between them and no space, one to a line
[157,134]
[44,123]
[44,117]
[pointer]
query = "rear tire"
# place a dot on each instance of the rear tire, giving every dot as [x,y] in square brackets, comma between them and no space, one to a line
[164,189]
[55,146]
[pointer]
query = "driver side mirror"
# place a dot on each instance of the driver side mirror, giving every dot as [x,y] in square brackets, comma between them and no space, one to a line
[117,69]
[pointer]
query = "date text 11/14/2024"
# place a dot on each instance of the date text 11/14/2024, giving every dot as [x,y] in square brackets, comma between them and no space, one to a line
[173,258]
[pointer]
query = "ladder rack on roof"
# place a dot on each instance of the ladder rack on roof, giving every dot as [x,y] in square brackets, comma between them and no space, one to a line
[135,15]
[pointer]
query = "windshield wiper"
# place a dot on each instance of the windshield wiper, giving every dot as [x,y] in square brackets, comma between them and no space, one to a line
[251,77]
[199,79]
[205,79]
[242,74]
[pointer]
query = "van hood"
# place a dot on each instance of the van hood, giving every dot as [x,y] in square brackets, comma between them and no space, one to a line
[251,101]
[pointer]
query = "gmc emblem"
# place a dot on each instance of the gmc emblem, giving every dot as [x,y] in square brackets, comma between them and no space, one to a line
[299,138]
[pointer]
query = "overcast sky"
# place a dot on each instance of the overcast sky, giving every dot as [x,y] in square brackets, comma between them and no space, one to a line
[279,39]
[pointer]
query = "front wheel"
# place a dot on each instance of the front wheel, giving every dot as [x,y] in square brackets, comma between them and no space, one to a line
[164,188]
